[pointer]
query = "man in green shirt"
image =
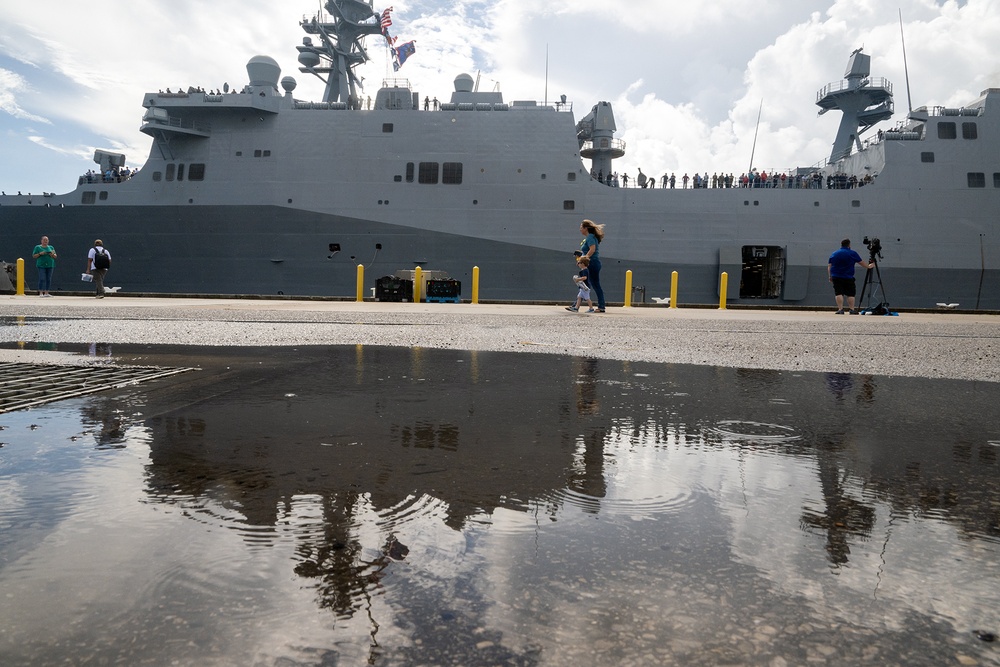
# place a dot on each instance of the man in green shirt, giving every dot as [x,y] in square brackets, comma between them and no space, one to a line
[45,261]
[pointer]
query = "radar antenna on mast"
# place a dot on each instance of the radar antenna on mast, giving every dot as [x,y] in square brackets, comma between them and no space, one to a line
[341,49]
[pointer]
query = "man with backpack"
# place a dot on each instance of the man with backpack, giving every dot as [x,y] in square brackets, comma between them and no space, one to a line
[98,263]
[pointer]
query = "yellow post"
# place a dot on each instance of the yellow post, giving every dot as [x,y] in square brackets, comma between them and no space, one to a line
[673,289]
[475,284]
[417,275]
[628,289]
[722,290]
[361,283]
[20,277]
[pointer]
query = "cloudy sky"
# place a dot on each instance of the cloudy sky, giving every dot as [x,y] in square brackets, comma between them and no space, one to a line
[686,80]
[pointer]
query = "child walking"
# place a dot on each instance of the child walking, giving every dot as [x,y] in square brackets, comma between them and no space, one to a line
[582,280]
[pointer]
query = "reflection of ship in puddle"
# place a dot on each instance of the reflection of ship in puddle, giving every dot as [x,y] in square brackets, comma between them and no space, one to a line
[342,438]
[348,448]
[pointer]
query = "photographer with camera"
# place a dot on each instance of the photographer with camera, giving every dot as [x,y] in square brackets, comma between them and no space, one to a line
[841,270]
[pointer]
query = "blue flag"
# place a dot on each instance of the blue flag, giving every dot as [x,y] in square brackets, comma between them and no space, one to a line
[401,53]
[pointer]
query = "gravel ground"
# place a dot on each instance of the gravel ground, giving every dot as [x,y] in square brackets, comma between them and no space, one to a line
[932,345]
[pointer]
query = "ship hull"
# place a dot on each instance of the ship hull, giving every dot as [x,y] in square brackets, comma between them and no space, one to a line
[255,192]
[263,250]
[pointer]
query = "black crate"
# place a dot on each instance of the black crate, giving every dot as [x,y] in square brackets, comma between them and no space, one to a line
[444,290]
[391,288]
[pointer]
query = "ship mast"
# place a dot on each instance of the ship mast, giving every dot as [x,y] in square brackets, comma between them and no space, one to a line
[863,101]
[341,34]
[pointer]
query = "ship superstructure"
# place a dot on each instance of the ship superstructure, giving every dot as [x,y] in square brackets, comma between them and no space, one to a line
[253,191]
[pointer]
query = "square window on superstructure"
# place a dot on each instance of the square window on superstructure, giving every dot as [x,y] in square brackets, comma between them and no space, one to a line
[196,172]
[569,205]
[977,179]
[927,156]
[451,173]
[996,179]
[970,131]
[946,130]
[88,198]
[386,128]
[428,173]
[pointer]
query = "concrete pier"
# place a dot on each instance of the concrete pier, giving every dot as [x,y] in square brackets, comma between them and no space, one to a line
[931,344]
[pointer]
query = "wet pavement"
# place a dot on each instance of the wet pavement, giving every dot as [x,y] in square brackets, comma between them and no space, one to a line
[347,505]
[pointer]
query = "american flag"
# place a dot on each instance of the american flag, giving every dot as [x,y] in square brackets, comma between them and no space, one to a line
[386,20]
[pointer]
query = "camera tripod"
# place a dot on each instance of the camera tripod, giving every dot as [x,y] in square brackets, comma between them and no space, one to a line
[870,289]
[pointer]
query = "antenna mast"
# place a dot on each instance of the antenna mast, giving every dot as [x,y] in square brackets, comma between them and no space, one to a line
[546,74]
[906,70]
[754,148]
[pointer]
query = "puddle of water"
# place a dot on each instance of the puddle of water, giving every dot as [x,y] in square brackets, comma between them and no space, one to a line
[361,505]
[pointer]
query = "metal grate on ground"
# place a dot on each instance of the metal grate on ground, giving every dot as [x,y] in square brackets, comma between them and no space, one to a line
[27,385]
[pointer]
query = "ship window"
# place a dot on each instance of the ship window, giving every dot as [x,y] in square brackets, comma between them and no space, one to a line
[571,176]
[257,153]
[397,178]
[170,171]
[157,176]
[387,128]
[428,173]
[196,172]
[267,153]
[180,172]
[946,131]
[451,173]
[239,153]
[89,198]
[409,172]
[103,196]
[763,272]
[970,131]
[856,203]
[927,157]
[569,205]
[996,179]
[977,179]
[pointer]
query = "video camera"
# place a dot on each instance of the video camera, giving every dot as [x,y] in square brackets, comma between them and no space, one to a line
[874,248]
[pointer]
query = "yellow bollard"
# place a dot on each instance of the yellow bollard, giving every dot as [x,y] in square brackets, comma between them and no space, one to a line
[20,277]
[673,289]
[475,284]
[361,283]
[417,275]
[722,290]
[628,289]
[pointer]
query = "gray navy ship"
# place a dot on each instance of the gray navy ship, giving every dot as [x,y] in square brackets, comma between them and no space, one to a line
[252,191]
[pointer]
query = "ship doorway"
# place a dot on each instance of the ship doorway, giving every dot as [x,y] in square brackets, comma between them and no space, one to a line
[763,272]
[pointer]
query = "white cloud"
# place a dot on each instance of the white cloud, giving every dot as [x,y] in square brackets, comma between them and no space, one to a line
[10,85]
